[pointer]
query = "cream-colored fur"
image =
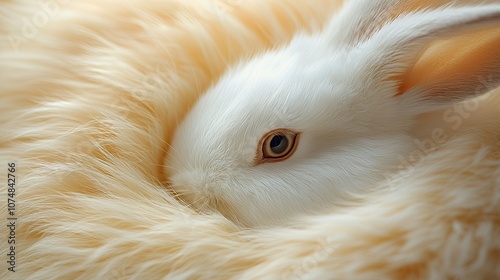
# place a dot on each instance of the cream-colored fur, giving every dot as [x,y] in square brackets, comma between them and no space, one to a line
[90,98]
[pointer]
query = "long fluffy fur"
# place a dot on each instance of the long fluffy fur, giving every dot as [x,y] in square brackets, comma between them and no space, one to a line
[90,101]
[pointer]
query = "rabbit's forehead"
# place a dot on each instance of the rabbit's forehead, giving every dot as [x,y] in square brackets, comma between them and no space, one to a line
[225,123]
[247,103]
[283,101]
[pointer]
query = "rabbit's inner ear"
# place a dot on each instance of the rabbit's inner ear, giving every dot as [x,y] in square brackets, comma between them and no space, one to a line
[410,51]
[463,60]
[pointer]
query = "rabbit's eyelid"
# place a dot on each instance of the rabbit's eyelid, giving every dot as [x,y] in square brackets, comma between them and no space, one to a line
[260,157]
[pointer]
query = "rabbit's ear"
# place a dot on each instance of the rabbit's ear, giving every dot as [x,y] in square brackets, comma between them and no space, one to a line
[455,75]
[358,19]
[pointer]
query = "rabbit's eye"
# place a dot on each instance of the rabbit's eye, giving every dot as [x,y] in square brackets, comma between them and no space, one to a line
[277,145]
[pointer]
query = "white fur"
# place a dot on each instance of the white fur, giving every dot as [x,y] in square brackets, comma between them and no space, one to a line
[341,96]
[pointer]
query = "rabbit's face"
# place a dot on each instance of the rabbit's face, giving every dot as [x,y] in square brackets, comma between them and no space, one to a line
[335,133]
[298,129]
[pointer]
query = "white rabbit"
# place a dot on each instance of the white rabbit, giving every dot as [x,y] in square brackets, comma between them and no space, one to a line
[298,129]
